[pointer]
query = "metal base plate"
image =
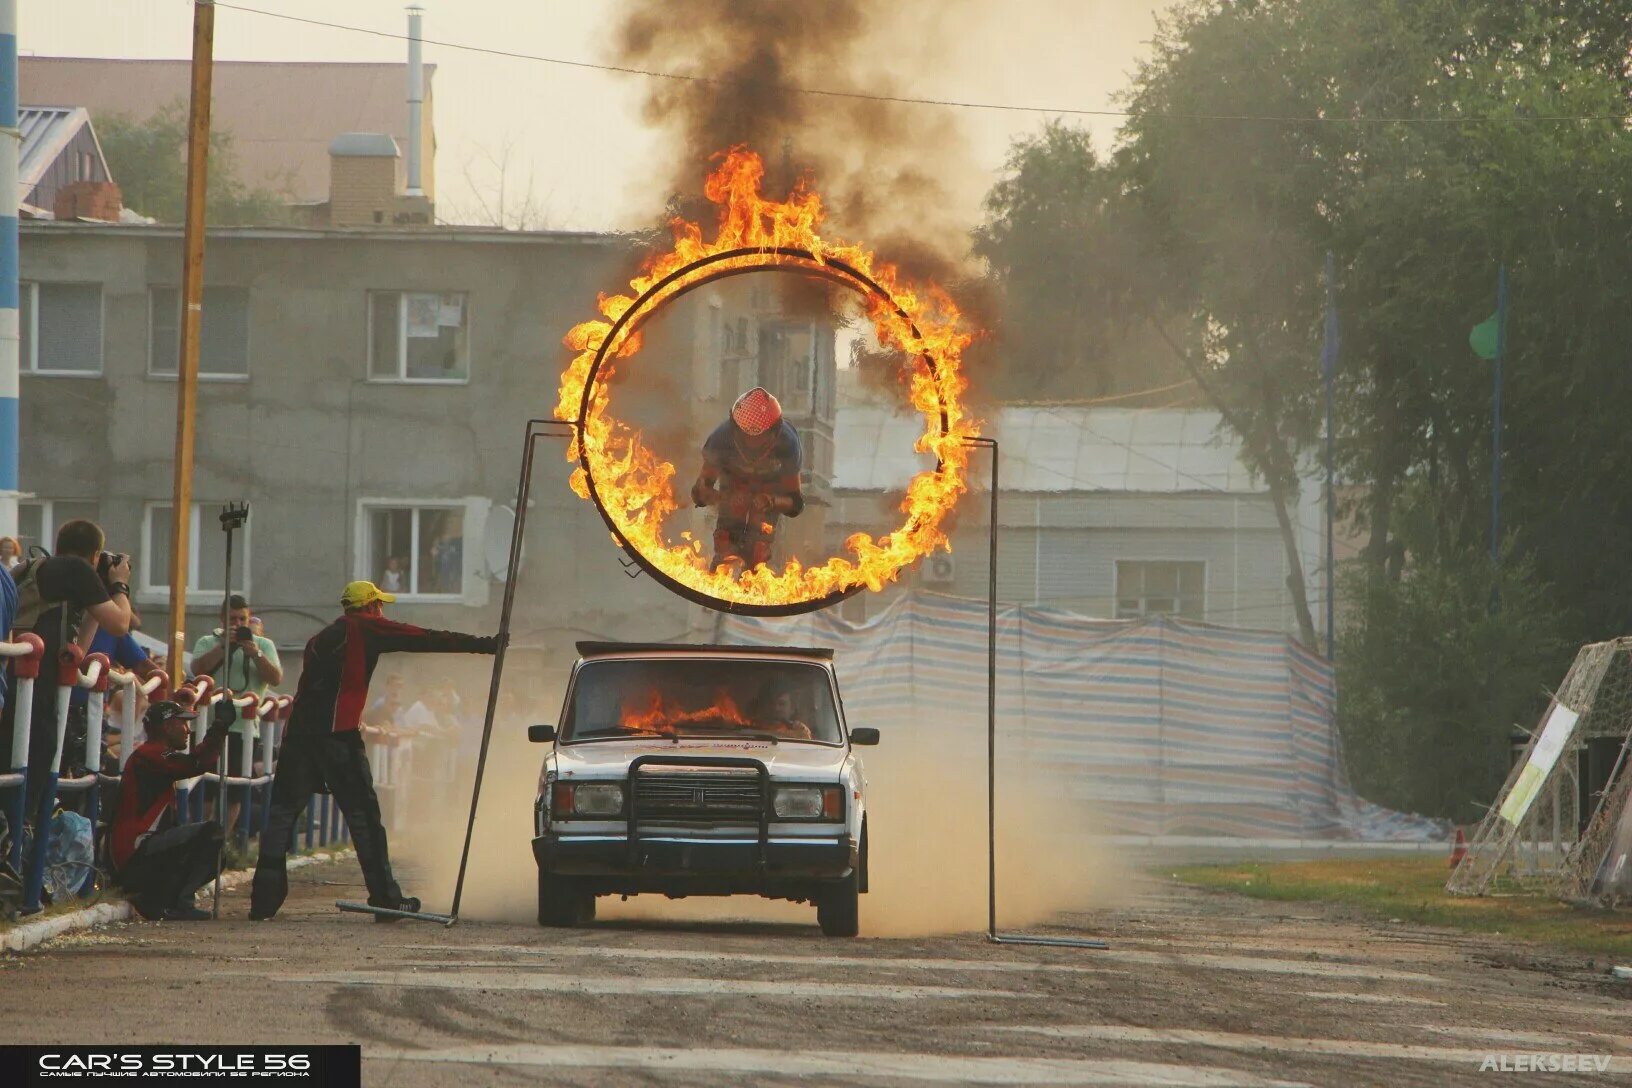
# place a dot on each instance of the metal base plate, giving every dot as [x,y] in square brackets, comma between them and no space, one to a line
[1048,942]
[351,907]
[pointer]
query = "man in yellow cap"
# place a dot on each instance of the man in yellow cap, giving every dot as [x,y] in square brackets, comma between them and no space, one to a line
[323,748]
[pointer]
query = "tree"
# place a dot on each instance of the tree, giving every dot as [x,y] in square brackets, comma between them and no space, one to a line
[148,160]
[1060,257]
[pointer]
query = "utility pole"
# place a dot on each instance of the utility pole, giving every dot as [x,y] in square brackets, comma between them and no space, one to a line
[10,139]
[192,316]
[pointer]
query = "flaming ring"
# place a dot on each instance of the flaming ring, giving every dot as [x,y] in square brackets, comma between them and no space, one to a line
[765,259]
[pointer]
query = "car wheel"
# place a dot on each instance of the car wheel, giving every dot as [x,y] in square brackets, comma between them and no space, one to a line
[838,907]
[562,903]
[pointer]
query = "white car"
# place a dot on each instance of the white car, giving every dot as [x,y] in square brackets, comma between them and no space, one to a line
[701,770]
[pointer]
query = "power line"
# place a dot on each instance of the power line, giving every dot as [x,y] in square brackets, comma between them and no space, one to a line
[823,92]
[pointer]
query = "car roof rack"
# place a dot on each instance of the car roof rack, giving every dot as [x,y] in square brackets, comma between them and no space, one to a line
[605,649]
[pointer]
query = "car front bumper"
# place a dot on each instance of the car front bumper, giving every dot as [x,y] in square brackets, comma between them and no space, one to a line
[679,864]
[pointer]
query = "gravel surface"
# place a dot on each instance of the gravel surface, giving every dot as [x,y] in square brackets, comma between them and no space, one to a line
[1199,988]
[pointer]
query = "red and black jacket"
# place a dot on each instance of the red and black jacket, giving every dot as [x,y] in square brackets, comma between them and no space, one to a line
[340,661]
[147,793]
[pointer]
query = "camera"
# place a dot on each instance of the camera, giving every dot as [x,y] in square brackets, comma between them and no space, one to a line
[243,634]
[107,561]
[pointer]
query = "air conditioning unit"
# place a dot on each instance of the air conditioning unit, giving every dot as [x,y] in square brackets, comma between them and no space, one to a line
[939,569]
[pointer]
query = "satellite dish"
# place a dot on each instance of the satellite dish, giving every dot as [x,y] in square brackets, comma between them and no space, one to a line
[501,524]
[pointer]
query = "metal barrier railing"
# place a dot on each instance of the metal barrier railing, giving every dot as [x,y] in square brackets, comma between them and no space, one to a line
[391,753]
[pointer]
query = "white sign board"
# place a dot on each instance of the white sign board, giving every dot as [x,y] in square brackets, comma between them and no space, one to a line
[1555,734]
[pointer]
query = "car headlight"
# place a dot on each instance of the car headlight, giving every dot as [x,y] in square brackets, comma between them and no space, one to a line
[808,803]
[587,799]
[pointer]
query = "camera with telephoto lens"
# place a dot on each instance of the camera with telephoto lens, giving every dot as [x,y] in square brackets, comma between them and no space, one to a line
[107,561]
[243,634]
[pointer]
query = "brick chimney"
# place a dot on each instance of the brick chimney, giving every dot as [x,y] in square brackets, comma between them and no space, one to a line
[365,184]
[89,200]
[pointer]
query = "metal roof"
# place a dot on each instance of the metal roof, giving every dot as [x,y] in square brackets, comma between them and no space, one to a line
[1055,448]
[605,649]
[44,132]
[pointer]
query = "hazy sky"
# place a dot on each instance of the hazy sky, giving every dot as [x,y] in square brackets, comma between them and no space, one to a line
[578,133]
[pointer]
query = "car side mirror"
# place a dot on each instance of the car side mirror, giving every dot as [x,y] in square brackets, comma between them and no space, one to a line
[541,734]
[864,735]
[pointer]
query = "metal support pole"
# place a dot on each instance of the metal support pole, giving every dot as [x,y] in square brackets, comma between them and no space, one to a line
[992,934]
[1496,418]
[10,298]
[536,429]
[192,315]
[233,518]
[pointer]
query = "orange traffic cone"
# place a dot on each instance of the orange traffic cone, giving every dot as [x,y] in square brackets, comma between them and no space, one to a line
[1459,848]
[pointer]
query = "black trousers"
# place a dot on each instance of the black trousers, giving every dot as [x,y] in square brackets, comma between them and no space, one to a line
[306,765]
[167,868]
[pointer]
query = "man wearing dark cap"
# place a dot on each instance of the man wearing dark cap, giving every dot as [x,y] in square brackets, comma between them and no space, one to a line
[750,475]
[159,864]
[322,748]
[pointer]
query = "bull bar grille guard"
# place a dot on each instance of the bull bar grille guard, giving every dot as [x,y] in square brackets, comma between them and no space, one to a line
[632,825]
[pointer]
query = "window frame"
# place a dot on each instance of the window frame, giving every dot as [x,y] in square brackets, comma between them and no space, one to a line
[48,519]
[203,375]
[152,591]
[363,553]
[401,377]
[1117,597]
[28,362]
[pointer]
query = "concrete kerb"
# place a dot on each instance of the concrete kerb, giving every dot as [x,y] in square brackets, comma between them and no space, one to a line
[31,935]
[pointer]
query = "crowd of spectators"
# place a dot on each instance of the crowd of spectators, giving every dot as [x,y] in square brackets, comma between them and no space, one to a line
[80,593]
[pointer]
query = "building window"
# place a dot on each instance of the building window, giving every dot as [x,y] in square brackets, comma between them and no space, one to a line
[223,349]
[1160,588]
[417,336]
[39,519]
[60,328]
[206,552]
[415,550]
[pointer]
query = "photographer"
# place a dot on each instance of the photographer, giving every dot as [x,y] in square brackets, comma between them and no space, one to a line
[65,598]
[255,668]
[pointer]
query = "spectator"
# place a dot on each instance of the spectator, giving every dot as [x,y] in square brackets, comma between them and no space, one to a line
[11,552]
[387,707]
[157,862]
[64,598]
[391,577]
[255,668]
[448,557]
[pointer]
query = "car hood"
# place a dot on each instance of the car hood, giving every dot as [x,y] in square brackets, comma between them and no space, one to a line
[785,760]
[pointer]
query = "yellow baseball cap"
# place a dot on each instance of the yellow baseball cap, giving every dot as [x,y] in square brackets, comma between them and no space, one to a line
[362,594]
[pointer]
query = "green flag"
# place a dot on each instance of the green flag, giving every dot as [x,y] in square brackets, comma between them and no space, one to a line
[1482,338]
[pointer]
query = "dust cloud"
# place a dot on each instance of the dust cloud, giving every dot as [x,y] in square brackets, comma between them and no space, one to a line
[927,825]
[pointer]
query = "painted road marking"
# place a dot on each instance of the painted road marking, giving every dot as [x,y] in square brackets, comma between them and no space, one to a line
[1279,1044]
[1096,962]
[698,956]
[861,1067]
[634,984]
[1370,999]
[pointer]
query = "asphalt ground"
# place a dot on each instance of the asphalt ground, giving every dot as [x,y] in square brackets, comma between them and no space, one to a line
[1199,988]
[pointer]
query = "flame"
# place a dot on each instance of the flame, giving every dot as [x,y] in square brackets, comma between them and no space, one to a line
[651,712]
[635,486]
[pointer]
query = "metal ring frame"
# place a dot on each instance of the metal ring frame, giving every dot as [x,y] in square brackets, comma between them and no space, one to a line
[629,321]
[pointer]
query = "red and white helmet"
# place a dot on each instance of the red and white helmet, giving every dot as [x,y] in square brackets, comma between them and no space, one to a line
[756,411]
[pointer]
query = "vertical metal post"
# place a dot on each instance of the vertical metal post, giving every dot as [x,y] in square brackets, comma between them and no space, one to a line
[192,315]
[1496,418]
[19,763]
[10,298]
[524,487]
[1328,367]
[992,934]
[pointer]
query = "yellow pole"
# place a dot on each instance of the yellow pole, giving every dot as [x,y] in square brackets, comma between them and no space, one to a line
[192,314]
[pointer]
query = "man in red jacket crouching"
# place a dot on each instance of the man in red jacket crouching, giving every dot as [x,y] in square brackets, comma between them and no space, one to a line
[159,864]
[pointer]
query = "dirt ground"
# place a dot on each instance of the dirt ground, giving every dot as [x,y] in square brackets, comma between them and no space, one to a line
[1199,988]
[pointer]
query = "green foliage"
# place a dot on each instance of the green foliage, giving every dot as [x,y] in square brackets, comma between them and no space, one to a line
[1433,681]
[1061,257]
[148,160]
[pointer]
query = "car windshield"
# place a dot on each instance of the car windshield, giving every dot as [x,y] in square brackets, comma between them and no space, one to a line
[736,698]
